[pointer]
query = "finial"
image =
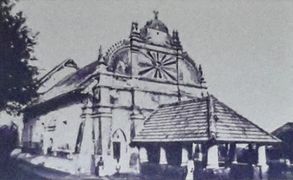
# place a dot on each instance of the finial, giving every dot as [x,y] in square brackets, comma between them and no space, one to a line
[100,49]
[156,14]
[100,52]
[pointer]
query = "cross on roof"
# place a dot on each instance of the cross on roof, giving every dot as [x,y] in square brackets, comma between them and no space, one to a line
[156,14]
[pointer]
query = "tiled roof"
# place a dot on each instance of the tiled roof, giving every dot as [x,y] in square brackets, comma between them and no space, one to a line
[199,120]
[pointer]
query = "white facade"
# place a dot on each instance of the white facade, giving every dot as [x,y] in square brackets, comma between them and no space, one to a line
[100,116]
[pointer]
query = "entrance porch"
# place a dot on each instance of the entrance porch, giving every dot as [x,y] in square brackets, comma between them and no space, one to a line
[195,160]
[202,136]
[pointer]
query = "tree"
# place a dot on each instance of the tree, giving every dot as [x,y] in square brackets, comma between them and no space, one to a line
[17,75]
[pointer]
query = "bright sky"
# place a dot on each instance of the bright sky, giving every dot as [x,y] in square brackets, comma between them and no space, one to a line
[245,47]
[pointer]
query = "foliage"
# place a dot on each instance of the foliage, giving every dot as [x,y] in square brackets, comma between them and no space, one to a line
[17,75]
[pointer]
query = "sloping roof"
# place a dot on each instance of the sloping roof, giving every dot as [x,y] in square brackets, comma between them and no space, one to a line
[177,122]
[71,82]
[288,127]
[193,120]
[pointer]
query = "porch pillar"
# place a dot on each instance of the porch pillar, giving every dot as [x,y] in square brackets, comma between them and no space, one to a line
[200,154]
[134,160]
[262,161]
[213,157]
[190,170]
[186,161]
[143,155]
[233,150]
[184,156]
[163,157]
[197,152]
[197,160]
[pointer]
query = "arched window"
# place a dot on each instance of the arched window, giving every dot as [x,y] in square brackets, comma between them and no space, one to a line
[119,144]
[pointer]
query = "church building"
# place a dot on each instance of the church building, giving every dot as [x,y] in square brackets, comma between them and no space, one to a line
[141,99]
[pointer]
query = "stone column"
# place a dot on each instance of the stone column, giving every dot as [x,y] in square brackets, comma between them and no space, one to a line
[87,137]
[105,115]
[213,157]
[163,157]
[143,155]
[104,118]
[262,161]
[103,126]
[184,157]
[106,131]
[87,144]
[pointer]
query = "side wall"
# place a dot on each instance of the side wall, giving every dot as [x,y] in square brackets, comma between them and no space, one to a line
[58,128]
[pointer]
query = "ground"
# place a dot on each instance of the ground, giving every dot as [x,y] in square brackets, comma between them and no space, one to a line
[12,173]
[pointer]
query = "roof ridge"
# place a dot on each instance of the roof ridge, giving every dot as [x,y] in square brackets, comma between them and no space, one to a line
[195,99]
[70,75]
[211,121]
[245,119]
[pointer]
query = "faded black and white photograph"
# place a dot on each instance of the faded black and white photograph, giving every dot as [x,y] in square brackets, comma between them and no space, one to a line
[146,90]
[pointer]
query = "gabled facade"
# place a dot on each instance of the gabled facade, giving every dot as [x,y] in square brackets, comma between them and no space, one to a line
[96,111]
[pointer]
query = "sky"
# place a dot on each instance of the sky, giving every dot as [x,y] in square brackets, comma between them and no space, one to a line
[244,47]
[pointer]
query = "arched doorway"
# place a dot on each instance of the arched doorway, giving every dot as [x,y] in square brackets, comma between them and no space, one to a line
[119,144]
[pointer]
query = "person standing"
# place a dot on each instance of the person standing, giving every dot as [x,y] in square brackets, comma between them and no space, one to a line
[50,148]
[99,168]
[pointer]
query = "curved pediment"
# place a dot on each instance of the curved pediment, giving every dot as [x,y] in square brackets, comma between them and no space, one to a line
[119,62]
[150,64]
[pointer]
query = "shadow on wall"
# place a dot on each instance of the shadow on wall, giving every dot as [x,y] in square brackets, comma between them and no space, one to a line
[8,142]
